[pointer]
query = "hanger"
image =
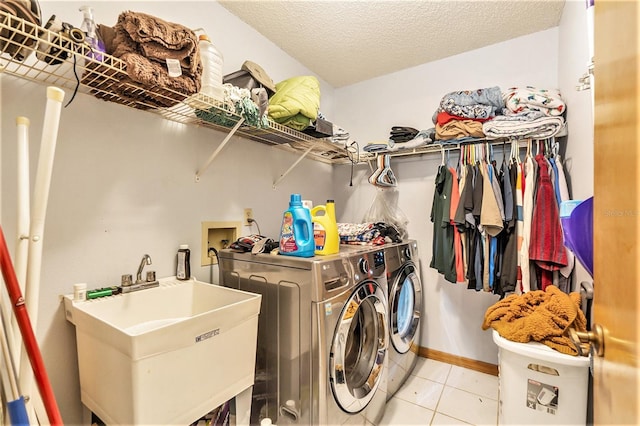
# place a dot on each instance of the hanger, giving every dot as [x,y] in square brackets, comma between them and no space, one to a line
[442,153]
[386,177]
[383,176]
[373,178]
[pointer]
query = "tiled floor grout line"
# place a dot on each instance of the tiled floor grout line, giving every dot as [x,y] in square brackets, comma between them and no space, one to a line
[444,384]
[435,410]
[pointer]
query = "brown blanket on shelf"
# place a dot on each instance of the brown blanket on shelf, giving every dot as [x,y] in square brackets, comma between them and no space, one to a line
[144,43]
[540,316]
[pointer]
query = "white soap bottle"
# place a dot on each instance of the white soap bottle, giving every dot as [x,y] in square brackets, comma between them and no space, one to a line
[183,269]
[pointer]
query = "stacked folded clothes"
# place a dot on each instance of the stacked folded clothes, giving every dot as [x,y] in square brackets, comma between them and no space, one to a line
[547,101]
[460,114]
[520,112]
[423,137]
[401,134]
[529,113]
[147,44]
[402,138]
[369,233]
[377,146]
[525,124]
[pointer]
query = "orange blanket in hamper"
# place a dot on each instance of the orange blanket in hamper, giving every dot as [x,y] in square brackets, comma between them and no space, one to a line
[540,316]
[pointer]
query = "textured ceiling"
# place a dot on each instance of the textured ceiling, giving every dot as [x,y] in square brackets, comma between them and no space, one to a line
[347,41]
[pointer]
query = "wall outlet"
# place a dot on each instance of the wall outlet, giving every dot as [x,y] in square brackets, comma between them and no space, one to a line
[248,214]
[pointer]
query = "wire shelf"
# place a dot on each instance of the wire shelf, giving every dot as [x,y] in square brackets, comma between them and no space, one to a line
[75,68]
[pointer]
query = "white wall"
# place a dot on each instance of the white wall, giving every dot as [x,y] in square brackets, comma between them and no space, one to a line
[574,56]
[453,314]
[123,181]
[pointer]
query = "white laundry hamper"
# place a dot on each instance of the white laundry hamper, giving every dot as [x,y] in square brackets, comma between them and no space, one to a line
[539,385]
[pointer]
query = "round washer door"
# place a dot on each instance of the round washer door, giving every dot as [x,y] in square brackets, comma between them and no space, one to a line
[405,305]
[359,347]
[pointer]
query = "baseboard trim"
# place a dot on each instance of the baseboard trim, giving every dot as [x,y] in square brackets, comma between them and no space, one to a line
[472,364]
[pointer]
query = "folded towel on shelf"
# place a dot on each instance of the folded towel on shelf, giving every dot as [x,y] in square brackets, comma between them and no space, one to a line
[473,104]
[526,124]
[157,40]
[455,129]
[145,43]
[539,316]
[547,101]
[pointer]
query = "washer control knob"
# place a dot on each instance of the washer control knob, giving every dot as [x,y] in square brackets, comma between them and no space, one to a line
[363,264]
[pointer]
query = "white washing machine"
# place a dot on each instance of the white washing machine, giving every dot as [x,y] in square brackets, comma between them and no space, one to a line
[405,311]
[322,335]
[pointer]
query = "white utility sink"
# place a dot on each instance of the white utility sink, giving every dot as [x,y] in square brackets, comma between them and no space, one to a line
[164,355]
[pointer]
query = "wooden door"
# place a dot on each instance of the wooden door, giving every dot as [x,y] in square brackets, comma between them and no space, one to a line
[617,211]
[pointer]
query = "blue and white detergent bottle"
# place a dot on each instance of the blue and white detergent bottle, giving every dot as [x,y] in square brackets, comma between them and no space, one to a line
[296,234]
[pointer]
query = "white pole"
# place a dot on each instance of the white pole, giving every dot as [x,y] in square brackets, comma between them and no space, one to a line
[55,96]
[20,261]
[22,246]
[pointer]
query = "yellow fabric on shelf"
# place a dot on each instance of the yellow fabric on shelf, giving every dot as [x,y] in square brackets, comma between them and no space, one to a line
[540,316]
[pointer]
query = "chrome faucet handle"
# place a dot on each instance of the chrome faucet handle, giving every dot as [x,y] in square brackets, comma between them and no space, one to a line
[126,280]
[151,276]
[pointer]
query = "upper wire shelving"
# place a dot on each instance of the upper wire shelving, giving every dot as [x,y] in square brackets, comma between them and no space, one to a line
[106,78]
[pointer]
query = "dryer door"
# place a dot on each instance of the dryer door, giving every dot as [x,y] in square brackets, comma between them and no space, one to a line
[405,306]
[359,347]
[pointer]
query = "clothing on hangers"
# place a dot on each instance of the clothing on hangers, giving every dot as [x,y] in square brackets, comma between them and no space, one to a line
[483,239]
[443,256]
[547,243]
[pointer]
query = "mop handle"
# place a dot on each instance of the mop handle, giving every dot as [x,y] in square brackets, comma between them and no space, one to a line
[30,343]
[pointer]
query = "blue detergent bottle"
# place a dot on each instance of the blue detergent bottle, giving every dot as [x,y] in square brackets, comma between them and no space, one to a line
[296,234]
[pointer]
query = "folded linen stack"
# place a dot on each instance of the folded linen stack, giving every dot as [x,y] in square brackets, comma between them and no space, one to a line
[147,45]
[376,146]
[402,138]
[530,113]
[525,124]
[460,114]
[368,233]
[401,134]
[423,137]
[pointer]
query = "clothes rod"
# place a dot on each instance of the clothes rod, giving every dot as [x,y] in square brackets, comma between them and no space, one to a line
[438,147]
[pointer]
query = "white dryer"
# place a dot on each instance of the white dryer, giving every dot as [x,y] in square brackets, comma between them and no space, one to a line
[405,311]
[322,335]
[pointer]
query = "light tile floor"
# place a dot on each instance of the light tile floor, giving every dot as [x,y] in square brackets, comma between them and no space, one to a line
[444,394]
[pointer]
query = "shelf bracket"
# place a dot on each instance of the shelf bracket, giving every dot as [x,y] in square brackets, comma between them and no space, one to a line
[217,151]
[293,166]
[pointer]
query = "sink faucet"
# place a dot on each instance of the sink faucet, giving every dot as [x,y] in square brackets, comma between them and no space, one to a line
[146,260]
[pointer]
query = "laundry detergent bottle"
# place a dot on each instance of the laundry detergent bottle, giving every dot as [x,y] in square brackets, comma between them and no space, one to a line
[296,234]
[325,229]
